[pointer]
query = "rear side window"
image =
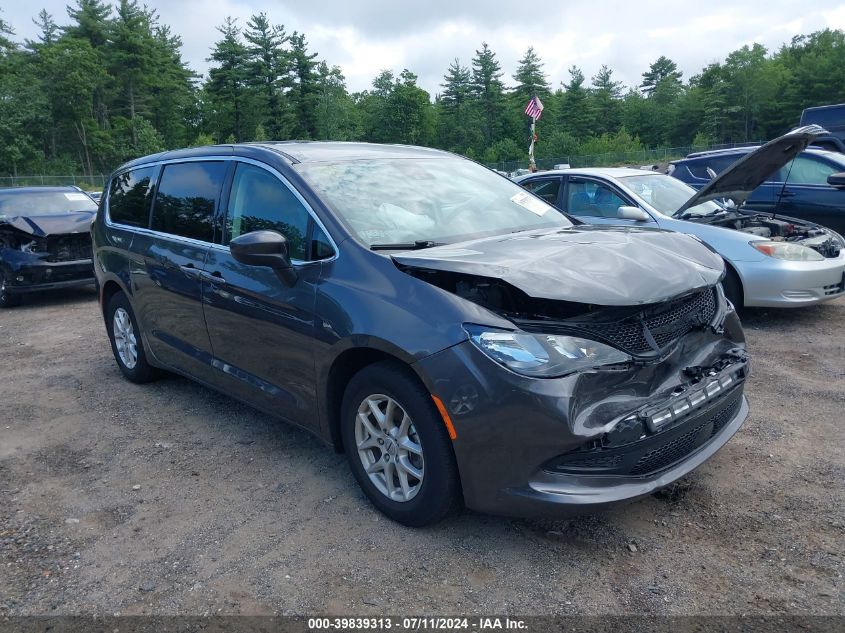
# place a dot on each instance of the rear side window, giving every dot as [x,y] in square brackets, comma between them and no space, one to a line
[129,197]
[261,202]
[185,200]
[546,188]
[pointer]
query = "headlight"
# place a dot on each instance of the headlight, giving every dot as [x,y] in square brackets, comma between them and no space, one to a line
[542,355]
[788,251]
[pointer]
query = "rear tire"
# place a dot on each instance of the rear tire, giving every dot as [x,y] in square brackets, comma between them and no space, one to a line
[126,342]
[7,299]
[733,289]
[391,428]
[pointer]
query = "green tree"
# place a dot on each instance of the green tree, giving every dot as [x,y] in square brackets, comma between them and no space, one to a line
[488,90]
[456,108]
[663,69]
[91,21]
[335,111]
[530,78]
[227,86]
[606,106]
[269,68]
[576,116]
[304,91]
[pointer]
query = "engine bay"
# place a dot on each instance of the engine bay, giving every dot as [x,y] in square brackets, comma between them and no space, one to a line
[780,230]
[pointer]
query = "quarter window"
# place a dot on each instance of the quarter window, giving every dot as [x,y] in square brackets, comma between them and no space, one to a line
[129,197]
[261,202]
[185,200]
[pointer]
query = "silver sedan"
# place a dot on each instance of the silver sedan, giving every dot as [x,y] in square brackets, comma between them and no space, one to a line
[771,260]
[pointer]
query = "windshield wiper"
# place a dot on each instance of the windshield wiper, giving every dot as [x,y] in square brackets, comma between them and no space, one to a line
[405,246]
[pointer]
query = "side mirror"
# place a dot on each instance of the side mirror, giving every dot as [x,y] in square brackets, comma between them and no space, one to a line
[632,213]
[265,248]
[837,180]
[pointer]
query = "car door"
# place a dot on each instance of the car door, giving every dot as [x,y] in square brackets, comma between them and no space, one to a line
[596,202]
[169,259]
[807,195]
[261,329]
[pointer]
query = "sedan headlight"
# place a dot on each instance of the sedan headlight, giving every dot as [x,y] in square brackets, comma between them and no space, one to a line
[542,355]
[788,251]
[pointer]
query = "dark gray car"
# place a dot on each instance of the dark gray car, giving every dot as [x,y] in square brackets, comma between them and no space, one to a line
[459,339]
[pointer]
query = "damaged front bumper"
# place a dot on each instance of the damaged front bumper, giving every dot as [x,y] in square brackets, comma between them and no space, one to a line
[535,447]
[25,272]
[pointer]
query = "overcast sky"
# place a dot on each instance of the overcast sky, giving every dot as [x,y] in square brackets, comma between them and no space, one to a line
[365,36]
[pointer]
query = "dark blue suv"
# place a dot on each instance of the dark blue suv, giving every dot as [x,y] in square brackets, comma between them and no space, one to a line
[811,187]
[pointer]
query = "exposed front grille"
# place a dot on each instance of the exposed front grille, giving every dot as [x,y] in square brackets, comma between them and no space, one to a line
[69,248]
[663,324]
[652,453]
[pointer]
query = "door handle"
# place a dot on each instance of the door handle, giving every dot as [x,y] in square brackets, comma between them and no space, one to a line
[786,193]
[190,270]
[216,277]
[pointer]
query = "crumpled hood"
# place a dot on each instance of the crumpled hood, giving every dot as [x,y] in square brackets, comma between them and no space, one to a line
[44,225]
[749,172]
[612,266]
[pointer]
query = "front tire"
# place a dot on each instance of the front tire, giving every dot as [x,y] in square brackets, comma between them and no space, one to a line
[397,445]
[733,289]
[126,342]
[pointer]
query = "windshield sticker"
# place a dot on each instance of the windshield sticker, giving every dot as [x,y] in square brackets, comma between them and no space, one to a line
[76,197]
[527,201]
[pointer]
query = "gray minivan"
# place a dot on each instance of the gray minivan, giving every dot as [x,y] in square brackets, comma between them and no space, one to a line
[459,339]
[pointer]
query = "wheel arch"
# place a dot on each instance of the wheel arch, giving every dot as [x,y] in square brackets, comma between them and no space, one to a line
[341,370]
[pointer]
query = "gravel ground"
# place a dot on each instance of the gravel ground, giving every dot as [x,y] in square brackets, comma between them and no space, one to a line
[172,499]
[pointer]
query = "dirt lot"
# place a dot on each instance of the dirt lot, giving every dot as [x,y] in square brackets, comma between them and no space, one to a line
[169,498]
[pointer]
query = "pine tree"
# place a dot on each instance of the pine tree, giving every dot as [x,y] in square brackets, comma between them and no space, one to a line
[48,30]
[530,78]
[91,21]
[304,91]
[130,54]
[606,97]
[454,106]
[269,72]
[488,89]
[576,116]
[663,69]
[227,81]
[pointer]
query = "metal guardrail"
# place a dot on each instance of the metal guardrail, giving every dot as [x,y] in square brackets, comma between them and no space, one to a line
[94,182]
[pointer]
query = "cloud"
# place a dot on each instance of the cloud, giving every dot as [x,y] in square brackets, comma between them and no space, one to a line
[366,36]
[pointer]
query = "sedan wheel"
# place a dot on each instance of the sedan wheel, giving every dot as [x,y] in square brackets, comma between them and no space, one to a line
[389,448]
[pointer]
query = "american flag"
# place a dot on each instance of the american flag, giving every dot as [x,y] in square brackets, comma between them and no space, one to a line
[534,108]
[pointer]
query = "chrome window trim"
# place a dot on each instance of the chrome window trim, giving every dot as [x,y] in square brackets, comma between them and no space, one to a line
[221,247]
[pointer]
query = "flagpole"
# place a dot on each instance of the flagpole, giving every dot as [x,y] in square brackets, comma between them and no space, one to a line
[532,165]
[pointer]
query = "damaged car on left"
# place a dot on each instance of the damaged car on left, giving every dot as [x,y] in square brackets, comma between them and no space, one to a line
[45,240]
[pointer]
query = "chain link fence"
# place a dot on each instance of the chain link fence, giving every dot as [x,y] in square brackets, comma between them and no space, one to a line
[636,158]
[94,182]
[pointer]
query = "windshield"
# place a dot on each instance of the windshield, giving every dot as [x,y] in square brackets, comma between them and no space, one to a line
[44,203]
[442,200]
[667,194]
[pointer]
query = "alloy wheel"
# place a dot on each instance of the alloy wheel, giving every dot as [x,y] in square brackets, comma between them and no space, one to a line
[124,338]
[389,447]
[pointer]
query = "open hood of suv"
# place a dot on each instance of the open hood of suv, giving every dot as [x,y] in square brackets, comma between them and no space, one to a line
[610,266]
[749,172]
